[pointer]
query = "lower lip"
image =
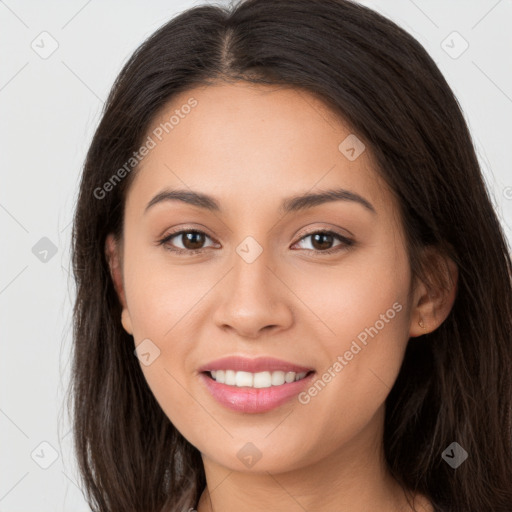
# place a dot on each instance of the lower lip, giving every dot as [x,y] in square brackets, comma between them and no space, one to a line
[254,400]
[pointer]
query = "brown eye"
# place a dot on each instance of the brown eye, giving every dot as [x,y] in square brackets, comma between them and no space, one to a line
[192,241]
[322,242]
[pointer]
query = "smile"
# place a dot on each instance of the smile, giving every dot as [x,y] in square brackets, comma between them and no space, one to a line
[245,397]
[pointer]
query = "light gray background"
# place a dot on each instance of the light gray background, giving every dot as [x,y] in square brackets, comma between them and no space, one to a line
[49,109]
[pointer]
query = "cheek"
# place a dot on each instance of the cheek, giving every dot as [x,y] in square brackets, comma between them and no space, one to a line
[355,384]
[367,316]
[366,332]
[163,296]
[164,301]
[363,293]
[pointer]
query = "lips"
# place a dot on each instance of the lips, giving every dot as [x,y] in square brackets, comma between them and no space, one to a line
[260,364]
[250,399]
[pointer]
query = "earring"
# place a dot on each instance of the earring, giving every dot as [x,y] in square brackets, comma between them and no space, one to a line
[126,322]
[421,324]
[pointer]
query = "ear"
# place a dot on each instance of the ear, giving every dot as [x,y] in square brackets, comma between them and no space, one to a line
[433,300]
[113,255]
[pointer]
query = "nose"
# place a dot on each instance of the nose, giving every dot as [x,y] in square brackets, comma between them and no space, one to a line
[253,300]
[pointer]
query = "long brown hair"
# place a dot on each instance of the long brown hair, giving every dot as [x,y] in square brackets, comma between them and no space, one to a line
[455,384]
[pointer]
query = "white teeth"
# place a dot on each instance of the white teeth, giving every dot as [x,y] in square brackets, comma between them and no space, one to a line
[255,380]
[277,378]
[261,380]
[243,379]
[230,377]
[289,377]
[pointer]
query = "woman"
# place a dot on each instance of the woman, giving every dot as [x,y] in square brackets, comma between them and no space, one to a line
[293,292]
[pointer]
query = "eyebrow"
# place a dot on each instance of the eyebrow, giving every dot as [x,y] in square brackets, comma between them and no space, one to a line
[289,205]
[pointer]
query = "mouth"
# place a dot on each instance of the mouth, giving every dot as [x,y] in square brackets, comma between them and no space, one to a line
[248,393]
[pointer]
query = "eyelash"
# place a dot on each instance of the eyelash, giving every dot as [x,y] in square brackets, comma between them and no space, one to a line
[346,242]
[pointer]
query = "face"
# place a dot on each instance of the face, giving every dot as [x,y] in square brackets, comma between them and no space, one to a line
[323,285]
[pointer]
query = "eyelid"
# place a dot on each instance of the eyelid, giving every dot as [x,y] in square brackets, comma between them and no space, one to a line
[332,230]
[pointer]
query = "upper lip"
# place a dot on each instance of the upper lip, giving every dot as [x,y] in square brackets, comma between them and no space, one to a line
[260,364]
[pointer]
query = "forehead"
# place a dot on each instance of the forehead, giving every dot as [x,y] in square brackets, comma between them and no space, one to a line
[250,142]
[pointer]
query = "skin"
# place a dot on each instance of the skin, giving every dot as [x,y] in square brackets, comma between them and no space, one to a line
[251,146]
